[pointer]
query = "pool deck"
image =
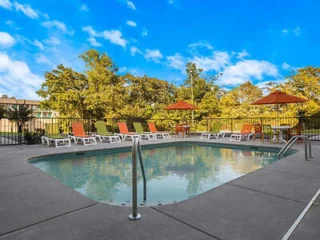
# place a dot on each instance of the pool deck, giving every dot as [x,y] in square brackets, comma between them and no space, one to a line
[260,205]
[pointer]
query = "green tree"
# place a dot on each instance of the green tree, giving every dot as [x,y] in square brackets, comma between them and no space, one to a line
[20,114]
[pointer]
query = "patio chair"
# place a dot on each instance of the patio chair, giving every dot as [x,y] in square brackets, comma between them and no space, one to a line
[104,135]
[180,131]
[215,131]
[153,129]
[124,132]
[245,133]
[295,131]
[53,136]
[257,131]
[144,135]
[267,131]
[80,136]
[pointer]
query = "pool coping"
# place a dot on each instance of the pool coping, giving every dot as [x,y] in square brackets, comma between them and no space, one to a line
[176,213]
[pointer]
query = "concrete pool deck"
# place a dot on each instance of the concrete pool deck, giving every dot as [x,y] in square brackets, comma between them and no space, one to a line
[260,205]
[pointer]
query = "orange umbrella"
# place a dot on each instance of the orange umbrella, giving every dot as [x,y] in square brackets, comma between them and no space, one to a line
[181,105]
[278,97]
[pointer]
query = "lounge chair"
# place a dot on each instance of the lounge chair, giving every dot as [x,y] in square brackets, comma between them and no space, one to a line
[124,132]
[144,135]
[257,131]
[215,131]
[80,136]
[53,136]
[245,133]
[153,129]
[104,135]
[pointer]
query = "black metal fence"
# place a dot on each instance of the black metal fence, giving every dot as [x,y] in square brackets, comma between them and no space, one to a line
[13,133]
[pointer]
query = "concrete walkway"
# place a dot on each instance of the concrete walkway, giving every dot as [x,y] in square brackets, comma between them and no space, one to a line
[260,205]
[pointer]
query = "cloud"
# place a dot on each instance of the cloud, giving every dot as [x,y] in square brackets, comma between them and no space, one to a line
[38,44]
[245,70]
[26,9]
[171,2]
[134,50]
[59,25]
[93,42]
[177,61]
[241,55]
[18,74]
[215,62]
[153,55]
[295,31]
[285,66]
[144,32]
[6,40]
[6,4]
[115,37]
[201,44]
[91,31]
[42,59]
[52,41]
[131,23]
[131,5]
[84,8]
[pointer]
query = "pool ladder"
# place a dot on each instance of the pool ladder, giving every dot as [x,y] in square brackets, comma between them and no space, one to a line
[136,151]
[307,146]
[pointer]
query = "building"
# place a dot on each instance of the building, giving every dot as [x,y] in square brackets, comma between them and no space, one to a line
[34,104]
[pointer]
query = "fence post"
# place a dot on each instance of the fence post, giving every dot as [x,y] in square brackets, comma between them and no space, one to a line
[207,125]
[20,133]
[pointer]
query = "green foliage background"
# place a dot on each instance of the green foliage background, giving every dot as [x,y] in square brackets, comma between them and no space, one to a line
[100,92]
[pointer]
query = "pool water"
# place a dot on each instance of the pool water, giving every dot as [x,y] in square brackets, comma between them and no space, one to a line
[174,172]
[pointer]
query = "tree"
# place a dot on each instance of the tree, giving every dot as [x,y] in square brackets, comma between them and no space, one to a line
[236,103]
[2,112]
[20,114]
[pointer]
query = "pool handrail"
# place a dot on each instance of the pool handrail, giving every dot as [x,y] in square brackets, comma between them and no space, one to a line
[136,149]
[289,144]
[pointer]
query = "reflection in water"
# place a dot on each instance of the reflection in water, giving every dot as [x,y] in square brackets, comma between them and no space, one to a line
[174,172]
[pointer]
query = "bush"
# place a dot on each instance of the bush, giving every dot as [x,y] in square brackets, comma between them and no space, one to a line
[33,137]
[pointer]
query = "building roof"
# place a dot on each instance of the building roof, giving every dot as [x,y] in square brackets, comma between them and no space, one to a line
[19,101]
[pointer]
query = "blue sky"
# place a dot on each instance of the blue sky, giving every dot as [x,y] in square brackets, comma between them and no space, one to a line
[260,41]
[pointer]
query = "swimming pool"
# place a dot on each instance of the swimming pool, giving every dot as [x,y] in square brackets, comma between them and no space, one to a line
[174,172]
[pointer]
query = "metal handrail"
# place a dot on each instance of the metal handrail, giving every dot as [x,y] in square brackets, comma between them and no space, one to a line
[136,148]
[290,144]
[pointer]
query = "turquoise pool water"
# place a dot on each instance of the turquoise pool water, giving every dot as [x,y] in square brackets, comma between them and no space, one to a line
[174,172]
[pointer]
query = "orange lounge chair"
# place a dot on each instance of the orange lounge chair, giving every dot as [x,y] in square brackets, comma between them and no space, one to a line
[124,132]
[153,129]
[245,133]
[80,136]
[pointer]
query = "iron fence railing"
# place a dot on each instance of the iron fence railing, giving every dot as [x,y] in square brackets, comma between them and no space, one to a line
[10,134]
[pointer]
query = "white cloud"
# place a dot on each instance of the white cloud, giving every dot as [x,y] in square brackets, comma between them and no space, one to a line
[6,4]
[215,62]
[131,5]
[153,55]
[52,41]
[38,44]
[245,70]
[177,61]
[42,59]
[171,2]
[84,8]
[91,31]
[134,50]
[115,37]
[26,9]
[144,32]
[295,31]
[93,42]
[131,23]
[241,55]
[201,44]
[6,40]
[59,25]
[285,66]
[17,74]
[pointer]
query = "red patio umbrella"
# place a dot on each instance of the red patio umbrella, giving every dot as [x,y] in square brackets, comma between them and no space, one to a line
[278,97]
[181,105]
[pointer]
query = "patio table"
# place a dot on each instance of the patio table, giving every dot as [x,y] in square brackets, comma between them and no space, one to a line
[280,138]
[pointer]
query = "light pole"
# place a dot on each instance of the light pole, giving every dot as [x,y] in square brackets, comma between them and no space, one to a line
[191,85]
